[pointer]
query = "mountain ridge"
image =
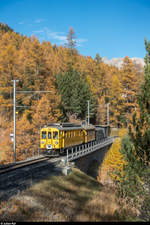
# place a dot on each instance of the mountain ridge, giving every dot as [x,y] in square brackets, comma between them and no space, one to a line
[119,61]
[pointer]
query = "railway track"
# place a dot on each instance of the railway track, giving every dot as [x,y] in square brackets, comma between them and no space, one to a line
[20,176]
[18,165]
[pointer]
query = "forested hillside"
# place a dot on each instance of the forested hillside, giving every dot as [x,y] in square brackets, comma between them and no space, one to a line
[72,79]
[127,163]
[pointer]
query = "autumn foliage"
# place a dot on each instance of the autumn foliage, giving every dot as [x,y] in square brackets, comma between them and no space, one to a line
[36,66]
[113,161]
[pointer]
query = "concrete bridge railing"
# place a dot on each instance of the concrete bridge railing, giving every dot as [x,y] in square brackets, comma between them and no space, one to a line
[80,151]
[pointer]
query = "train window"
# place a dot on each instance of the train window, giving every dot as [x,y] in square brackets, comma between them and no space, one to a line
[55,135]
[61,133]
[49,135]
[43,134]
[65,134]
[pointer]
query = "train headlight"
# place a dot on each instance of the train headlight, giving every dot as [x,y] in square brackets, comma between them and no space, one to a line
[42,142]
[49,146]
[56,143]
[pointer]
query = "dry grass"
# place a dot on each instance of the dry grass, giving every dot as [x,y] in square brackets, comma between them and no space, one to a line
[6,146]
[76,197]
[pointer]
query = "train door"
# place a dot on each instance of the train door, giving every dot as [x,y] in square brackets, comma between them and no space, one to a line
[49,140]
[56,139]
[43,138]
[61,145]
[84,136]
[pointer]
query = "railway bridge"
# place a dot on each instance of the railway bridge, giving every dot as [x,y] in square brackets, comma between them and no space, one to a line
[88,157]
[20,175]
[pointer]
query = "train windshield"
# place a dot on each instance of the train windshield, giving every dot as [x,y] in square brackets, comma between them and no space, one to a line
[55,135]
[49,135]
[43,134]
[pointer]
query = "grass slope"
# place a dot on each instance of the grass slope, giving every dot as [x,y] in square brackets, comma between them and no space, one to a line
[76,197]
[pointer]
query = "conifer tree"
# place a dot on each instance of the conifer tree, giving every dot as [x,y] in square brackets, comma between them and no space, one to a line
[129,84]
[5,28]
[141,125]
[75,92]
[134,183]
[8,72]
[71,42]
[71,48]
[98,59]
[116,100]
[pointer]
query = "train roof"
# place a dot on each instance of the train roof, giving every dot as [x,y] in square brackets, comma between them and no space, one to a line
[99,128]
[69,126]
[64,126]
[88,127]
[102,126]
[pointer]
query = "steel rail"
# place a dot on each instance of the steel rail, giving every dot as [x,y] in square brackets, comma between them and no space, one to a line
[22,164]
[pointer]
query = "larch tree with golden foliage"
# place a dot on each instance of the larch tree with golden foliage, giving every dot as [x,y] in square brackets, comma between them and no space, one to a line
[115,100]
[8,72]
[24,137]
[129,83]
[43,112]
